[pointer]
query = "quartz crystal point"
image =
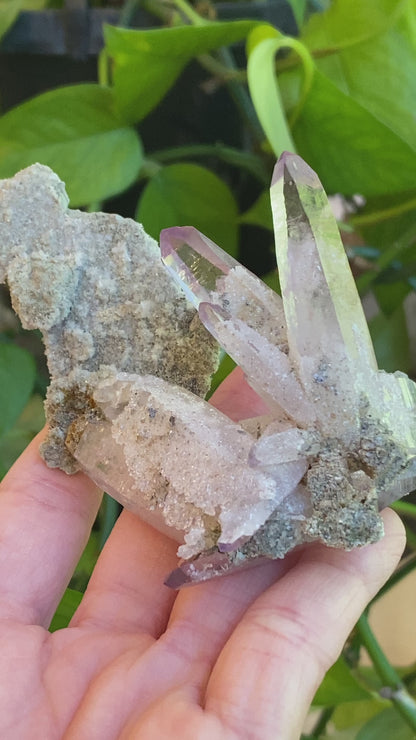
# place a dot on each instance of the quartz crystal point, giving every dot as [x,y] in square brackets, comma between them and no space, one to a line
[329,341]
[310,357]
[244,315]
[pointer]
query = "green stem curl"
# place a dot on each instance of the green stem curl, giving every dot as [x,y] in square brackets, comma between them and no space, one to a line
[395,690]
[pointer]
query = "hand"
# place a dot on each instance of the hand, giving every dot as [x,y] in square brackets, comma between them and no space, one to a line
[236,658]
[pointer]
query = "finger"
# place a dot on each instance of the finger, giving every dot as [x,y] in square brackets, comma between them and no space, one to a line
[204,616]
[237,399]
[183,656]
[268,672]
[126,591]
[46,517]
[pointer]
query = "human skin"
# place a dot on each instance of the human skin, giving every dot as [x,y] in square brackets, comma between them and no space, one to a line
[236,658]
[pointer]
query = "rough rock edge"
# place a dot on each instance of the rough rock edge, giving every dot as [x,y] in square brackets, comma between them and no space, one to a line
[95,286]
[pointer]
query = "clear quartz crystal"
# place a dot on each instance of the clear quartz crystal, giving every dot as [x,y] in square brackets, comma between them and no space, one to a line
[196,260]
[329,340]
[244,315]
[339,439]
[193,470]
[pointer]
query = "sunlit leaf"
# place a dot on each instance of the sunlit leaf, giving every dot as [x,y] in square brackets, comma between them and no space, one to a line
[147,63]
[349,22]
[367,42]
[352,151]
[262,46]
[76,132]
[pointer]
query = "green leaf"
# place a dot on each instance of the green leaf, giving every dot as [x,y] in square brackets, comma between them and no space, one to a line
[190,195]
[260,213]
[17,376]
[366,42]
[392,212]
[13,442]
[298,7]
[272,280]
[360,154]
[262,46]
[348,22]
[224,369]
[389,225]
[365,52]
[66,609]
[339,686]
[386,726]
[354,714]
[147,63]
[75,131]
[391,341]
[87,562]
[10,9]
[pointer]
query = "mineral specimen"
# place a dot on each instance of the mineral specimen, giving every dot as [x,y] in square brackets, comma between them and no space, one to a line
[94,285]
[338,440]
[310,358]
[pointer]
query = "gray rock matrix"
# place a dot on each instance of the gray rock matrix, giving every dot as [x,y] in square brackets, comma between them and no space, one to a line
[94,284]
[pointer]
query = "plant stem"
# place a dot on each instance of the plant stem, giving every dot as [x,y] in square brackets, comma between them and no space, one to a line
[240,95]
[160,11]
[398,694]
[405,508]
[220,70]
[149,169]
[376,217]
[410,538]
[365,281]
[127,13]
[241,159]
[407,566]
[224,67]
[322,722]
[193,17]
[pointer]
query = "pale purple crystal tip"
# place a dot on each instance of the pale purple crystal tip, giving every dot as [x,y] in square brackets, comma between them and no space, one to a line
[194,261]
[296,168]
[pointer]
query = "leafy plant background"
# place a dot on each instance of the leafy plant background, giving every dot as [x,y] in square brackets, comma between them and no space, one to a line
[182,126]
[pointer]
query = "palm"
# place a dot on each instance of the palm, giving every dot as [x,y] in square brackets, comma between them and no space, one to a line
[238,657]
[135,662]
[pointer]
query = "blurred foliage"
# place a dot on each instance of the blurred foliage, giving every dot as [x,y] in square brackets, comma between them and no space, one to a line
[342,93]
